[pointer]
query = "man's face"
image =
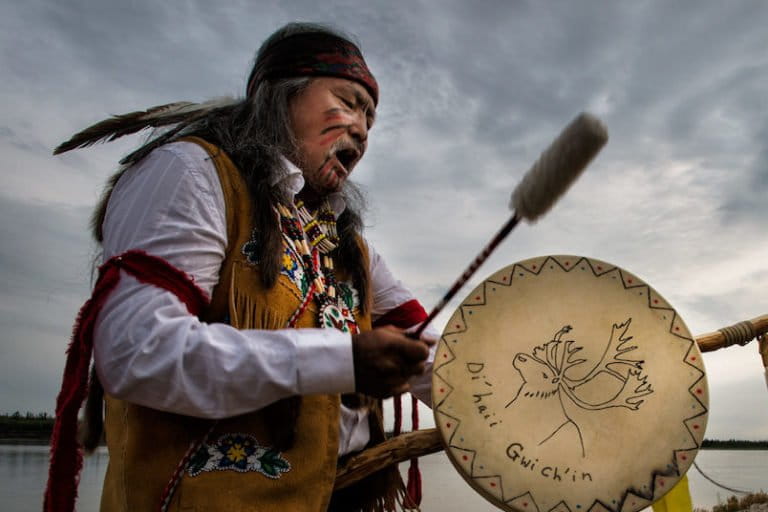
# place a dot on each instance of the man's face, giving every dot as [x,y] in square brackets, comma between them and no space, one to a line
[331,119]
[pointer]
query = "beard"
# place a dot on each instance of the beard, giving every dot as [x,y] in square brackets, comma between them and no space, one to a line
[330,176]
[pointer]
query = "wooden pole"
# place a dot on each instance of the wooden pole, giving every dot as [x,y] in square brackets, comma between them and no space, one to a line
[391,451]
[427,441]
[762,347]
[741,333]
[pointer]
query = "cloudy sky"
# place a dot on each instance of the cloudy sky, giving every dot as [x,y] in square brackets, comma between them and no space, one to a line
[472,92]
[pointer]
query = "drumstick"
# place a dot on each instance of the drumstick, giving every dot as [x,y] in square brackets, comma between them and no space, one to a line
[548,179]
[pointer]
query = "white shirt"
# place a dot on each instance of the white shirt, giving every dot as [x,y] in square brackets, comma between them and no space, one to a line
[150,351]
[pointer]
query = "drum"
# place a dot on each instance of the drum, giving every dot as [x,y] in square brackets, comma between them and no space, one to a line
[564,383]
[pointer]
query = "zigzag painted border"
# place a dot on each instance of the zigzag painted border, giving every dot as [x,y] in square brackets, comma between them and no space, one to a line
[629,282]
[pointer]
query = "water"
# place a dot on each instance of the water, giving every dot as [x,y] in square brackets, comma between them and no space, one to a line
[445,489]
[23,473]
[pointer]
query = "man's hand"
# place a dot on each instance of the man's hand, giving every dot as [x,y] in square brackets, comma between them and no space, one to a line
[385,359]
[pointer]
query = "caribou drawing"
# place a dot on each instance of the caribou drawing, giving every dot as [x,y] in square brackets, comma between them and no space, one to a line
[549,382]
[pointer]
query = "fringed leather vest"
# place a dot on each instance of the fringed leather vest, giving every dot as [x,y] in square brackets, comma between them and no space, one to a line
[238,468]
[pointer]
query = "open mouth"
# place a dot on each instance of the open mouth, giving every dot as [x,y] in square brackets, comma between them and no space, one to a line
[347,157]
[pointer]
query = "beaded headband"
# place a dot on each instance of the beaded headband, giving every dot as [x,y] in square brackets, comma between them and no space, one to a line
[313,54]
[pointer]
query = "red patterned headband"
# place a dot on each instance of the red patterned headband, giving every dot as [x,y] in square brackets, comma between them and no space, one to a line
[313,54]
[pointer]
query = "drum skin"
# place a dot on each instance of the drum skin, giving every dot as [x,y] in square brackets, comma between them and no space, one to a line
[565,383]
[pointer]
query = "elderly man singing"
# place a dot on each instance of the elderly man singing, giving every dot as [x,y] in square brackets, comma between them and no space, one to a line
[243,332]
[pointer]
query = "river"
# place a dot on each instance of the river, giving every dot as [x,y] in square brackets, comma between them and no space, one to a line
[23,472]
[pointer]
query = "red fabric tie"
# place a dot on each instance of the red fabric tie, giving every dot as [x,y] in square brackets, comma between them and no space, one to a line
[413,487]
[404,316]
[66,451]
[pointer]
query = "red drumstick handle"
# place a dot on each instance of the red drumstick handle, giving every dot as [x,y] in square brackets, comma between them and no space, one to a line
[468,273]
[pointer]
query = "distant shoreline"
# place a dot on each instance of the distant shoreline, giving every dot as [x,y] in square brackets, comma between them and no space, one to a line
[32,428]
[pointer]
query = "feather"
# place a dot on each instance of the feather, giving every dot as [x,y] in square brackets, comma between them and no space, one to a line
[132,122]
[157,142]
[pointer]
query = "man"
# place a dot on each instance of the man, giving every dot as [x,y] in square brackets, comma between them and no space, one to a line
[238,300]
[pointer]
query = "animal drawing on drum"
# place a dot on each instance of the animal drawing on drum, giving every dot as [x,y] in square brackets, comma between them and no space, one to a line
[550,386]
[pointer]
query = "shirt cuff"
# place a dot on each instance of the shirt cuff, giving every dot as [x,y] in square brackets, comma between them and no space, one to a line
[324,362]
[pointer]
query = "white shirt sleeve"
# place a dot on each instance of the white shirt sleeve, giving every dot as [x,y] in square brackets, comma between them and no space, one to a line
[150,351]
[388,294]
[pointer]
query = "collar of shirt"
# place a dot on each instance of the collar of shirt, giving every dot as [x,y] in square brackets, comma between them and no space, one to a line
[291,182]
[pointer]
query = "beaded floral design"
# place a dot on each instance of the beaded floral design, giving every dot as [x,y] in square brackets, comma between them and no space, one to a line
[238,452]
[290,265]
[348,295]
[250,249]
[292,268]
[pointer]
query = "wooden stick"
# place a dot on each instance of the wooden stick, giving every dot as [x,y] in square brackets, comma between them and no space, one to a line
[762,348]
[425,442]
[741,333]
[391,451]
[468,273]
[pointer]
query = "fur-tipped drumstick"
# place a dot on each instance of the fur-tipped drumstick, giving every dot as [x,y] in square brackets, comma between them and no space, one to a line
[555,170]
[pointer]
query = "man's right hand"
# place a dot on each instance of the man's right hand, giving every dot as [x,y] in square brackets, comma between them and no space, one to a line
[385,359]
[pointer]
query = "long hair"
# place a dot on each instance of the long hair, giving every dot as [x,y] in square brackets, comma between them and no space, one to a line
[256,134]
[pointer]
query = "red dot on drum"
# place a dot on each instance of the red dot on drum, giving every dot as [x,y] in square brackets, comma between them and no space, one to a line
[699,391]
[533,267]
[493,484]
[504,278]
[567,263]
[448,425]
[693,358]
[477,298]
[629,281]
[684,457]
[458,326]
[599,267]
[677,328]
[525,503]
[445,356]
[442,390]
[695,427]
[465,457]
[661,483]
[655,301]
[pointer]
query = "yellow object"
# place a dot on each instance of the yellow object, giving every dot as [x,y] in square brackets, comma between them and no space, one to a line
[676,500]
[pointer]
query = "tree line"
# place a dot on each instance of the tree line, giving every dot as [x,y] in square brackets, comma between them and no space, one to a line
[27,425]
[39,425]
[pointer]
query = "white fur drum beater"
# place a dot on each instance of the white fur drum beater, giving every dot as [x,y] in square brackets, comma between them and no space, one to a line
[552,174]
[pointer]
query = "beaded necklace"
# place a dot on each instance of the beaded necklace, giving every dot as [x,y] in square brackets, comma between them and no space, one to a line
[313,238]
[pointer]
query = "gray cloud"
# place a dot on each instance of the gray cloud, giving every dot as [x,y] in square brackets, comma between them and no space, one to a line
[44,280]
[471,94]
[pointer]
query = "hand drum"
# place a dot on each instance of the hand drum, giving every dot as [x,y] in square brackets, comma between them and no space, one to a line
[564,383]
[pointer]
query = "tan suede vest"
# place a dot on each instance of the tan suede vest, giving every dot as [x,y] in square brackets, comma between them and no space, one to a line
[236,470]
